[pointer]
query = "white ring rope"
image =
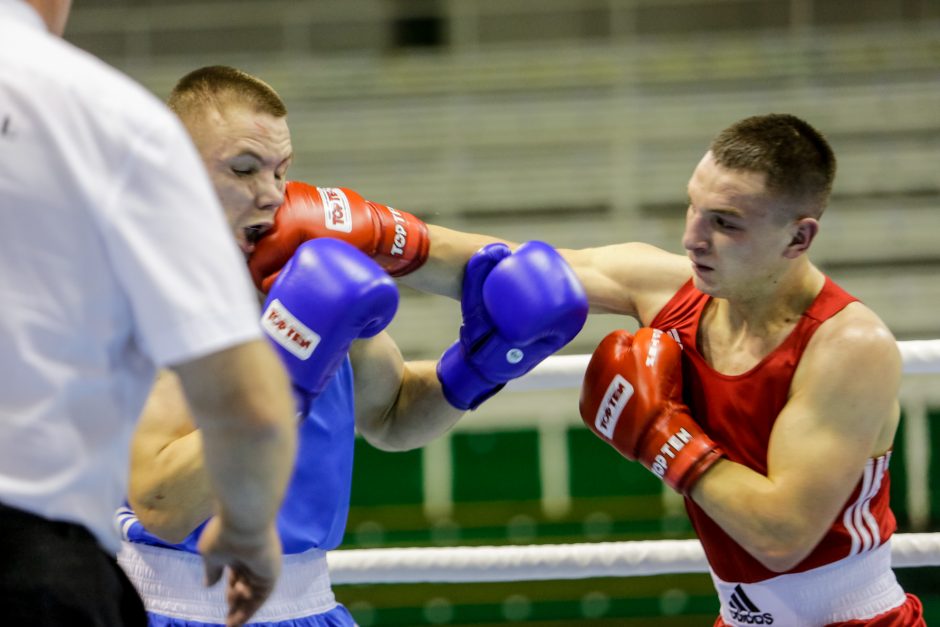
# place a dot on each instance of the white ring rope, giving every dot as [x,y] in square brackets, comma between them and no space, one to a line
[585,560]
[566,371]
[560,561]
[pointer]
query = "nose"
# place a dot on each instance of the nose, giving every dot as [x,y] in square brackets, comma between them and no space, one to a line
[270,194]
[695,236]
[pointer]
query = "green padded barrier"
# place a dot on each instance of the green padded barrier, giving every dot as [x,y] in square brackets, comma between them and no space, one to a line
[899,478]
[501,466]
[599,470]
[383,478]
[665,600]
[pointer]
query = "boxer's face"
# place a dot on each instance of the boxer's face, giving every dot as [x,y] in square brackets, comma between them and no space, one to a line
[247,155]
[736,234]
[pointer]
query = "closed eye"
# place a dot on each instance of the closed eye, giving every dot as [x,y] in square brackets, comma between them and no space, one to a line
[725,225]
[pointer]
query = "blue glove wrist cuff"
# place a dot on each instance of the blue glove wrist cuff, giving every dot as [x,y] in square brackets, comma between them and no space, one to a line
[462,384]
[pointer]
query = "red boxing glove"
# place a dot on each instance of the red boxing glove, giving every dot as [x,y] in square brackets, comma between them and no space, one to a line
[632,398]
[396,240]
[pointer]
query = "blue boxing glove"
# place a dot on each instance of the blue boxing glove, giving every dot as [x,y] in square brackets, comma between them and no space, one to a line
[326,296]
[518,308]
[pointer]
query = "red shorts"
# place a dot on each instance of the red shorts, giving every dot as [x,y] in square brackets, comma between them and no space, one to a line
[910,614]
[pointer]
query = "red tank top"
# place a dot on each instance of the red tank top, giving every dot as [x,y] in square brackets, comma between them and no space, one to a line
[739,411]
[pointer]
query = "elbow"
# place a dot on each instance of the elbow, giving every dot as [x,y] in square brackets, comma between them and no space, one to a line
[161,520]
[783,551]
[780,561]
[387,446]
[386,434]
[384,439]
[163,525]
[170,533]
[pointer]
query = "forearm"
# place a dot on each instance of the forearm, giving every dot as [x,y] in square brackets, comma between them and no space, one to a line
[449,251]
[761,515]
[249,469]
[248,432]
[419,415]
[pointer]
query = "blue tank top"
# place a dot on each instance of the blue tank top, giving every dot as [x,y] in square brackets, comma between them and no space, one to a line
[316,504]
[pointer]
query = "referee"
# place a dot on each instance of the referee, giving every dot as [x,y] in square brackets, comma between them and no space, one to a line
[115,260]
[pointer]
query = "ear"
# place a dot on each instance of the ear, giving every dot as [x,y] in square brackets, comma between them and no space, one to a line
[803,232]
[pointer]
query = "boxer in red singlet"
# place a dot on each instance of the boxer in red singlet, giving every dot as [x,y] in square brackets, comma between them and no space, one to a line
[763,392]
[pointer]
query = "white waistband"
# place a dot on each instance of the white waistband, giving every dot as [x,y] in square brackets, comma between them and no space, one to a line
[857,587]
[171,584]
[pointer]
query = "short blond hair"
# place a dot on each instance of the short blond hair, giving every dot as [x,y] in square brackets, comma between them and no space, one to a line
[218,86]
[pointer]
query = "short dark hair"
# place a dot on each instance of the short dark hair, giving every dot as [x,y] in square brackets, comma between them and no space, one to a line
[796,159]
[220,85]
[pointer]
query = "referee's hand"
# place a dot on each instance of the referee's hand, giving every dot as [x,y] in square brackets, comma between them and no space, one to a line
[254,563]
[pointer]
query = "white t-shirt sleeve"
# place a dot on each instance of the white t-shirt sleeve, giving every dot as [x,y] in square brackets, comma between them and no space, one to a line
[185,278]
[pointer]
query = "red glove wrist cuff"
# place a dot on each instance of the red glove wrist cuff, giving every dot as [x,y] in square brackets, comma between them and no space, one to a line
[678,451]
[403,242]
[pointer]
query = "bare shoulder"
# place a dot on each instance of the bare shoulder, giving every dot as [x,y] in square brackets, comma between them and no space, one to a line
[858,343]
[857,329]
[633,278]
[849,378]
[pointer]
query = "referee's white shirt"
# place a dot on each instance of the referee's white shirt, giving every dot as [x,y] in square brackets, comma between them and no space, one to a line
[114,259]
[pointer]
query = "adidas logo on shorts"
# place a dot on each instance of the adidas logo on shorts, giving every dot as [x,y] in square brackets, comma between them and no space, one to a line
[743,610]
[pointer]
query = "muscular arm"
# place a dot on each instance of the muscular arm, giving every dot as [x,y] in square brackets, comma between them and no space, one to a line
[172,484]
[399,405]
[843,410]
[632,279]
[448,253]
[169,487]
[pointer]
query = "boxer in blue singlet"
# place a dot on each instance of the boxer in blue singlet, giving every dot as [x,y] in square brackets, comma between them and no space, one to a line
[311,521]
[325,313]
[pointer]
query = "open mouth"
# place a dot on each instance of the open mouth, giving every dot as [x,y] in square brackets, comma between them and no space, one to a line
[700,268]
[255,232]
